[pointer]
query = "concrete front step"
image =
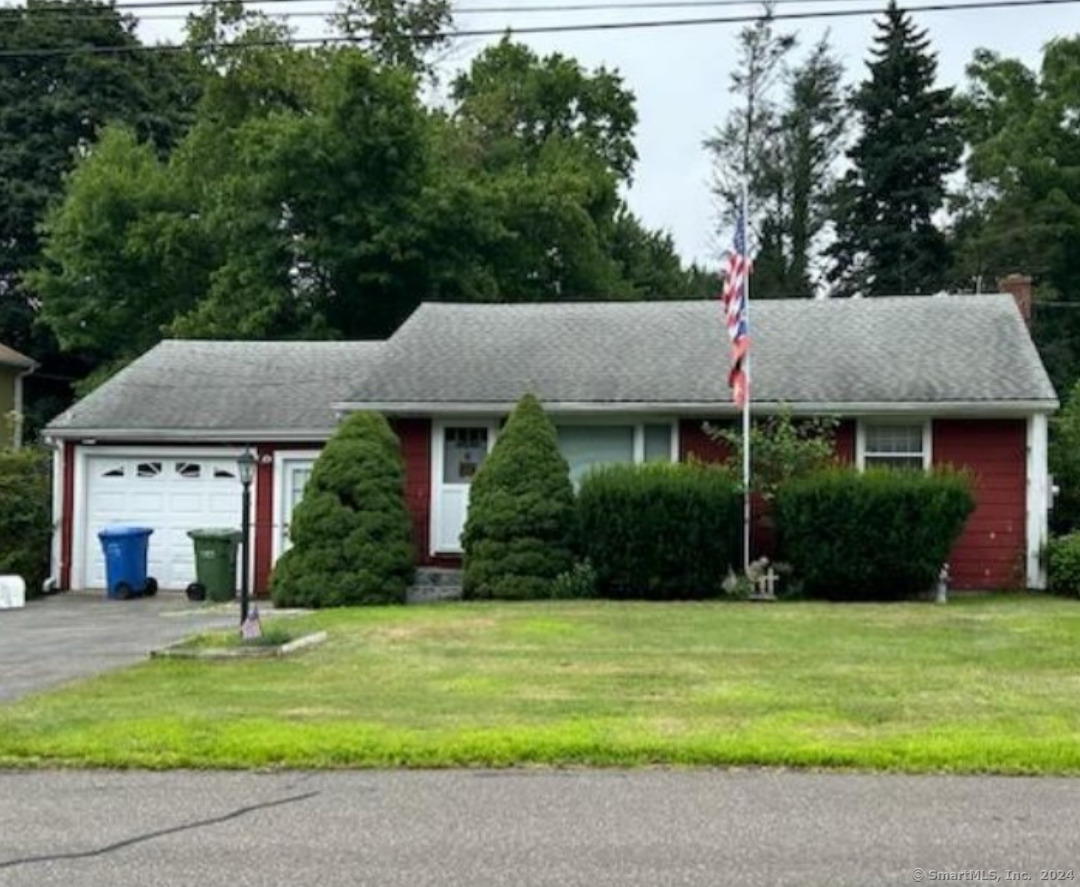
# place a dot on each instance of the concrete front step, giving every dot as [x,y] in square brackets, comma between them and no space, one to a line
[435,584]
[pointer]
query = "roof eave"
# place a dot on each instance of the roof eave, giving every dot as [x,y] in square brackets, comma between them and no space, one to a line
[189,435]
[960,409]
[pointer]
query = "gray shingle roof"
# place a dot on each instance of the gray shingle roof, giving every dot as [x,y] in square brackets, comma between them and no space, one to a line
[12,358]
[902,350]
[185,385]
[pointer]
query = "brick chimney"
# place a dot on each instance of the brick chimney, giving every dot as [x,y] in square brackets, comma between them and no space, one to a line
[1019,286]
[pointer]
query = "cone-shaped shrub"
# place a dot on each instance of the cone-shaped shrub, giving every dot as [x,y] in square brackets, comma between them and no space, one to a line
[520,527]
[351,530]
[879,535]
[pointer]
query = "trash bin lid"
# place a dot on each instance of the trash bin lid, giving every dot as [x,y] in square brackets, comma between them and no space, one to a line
[215,533]
[119,532]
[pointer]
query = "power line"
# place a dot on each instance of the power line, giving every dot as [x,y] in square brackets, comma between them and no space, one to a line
[654,24]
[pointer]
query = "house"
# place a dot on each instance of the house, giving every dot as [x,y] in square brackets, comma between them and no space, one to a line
[13,368]
[914,381]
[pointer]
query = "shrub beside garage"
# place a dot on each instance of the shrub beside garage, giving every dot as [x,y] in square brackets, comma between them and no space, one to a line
[660,531]
[878,535]
[26,515]
[351,531]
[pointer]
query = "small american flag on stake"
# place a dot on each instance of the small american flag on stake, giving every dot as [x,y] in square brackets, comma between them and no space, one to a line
[736,279]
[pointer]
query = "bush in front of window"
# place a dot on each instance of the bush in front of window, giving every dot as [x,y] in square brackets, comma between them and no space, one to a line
[661,531]
[25,515]
[880,535]
[519,531]
[351,531]
[1063,565]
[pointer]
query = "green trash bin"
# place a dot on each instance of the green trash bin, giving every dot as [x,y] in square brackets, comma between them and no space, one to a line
[215,564]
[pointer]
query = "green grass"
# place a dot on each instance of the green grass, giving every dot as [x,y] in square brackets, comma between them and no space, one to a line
[273,635]
[980,685]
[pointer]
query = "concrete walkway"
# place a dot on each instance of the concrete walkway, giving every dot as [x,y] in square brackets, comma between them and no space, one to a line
[77,634]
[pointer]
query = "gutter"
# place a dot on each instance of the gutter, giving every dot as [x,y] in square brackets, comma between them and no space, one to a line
[714,409]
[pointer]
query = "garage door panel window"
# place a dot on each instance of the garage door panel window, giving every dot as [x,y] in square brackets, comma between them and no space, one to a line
[112,471]
[189,470]
[148,469]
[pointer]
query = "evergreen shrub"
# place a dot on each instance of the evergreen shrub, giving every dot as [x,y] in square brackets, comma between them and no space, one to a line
[661,531]
[1063,565]
[519,531]
[879,535]
[351,531]
[26,515]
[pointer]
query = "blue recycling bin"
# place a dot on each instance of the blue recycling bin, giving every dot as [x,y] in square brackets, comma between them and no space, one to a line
[125,562]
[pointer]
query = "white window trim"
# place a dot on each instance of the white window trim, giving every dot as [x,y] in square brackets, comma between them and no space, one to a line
[438,444]
[927,438]
[281,457]
[85,453]
[638,424]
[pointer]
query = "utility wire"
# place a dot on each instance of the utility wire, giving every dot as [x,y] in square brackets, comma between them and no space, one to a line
[60,10]
[593,27]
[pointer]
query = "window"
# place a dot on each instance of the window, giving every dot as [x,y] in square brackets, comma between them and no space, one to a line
[148,469]
[587,446]
[464,451]
[188,469]
[113,471]
[223,473]
[895,446]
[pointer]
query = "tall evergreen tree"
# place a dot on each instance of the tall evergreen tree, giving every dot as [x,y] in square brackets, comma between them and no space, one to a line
[887,242]
[784,148]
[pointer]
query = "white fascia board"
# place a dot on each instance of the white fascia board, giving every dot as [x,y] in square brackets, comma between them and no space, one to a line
[192,436]
[959,409]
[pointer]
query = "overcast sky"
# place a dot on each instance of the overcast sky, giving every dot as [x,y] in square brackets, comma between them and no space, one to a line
[681,75]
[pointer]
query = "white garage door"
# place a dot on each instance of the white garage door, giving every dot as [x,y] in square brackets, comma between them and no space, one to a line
[169,495]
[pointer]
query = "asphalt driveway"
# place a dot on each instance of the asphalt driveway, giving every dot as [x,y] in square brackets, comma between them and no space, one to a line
[74,635]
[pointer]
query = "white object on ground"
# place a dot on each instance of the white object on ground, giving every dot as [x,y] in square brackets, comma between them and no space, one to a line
[12,592]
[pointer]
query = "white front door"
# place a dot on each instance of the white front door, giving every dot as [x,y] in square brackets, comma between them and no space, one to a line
[458,450]
[293,471]
[170,495]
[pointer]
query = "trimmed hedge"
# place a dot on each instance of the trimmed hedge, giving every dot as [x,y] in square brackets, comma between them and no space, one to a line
[660,531]
[351,531]
[1063,565]
[520,527]
[26,515]
[879,535]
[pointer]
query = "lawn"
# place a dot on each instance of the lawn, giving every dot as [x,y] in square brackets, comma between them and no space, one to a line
[989,684]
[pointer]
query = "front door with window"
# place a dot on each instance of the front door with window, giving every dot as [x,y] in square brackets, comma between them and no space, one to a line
[458,452]
[293,471]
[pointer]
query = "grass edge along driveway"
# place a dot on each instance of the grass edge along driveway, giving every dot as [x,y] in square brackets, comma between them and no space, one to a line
[983,684]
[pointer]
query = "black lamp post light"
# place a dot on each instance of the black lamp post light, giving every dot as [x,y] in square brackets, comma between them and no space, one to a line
[245,464]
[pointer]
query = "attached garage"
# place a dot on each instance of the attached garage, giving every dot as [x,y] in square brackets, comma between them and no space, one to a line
[171,492]
[156,446]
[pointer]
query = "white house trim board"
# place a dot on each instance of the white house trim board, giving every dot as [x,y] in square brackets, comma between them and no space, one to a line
[1038,499]
[1009,409]
[283,460]
[84,454]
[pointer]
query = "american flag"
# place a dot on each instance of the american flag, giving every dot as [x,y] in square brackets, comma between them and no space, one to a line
[734,296]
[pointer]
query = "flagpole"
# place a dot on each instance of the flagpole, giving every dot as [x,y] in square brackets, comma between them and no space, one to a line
[746,410]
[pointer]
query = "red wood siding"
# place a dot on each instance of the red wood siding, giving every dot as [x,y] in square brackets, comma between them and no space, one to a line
[845,442]
[263,520]
[991,551]
[415,437]
[694,442]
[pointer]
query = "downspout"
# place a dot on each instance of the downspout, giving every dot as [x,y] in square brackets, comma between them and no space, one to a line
[53,582]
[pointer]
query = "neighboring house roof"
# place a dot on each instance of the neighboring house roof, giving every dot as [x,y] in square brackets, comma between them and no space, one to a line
[223,390]
[9,357]
[961,353]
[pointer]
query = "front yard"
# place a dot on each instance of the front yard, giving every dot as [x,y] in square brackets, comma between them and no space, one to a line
[980,685]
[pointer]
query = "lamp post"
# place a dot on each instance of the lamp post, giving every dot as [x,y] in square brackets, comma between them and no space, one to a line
[245,464]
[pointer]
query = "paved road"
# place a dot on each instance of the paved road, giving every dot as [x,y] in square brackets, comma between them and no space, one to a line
[57,639]
[528,829]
